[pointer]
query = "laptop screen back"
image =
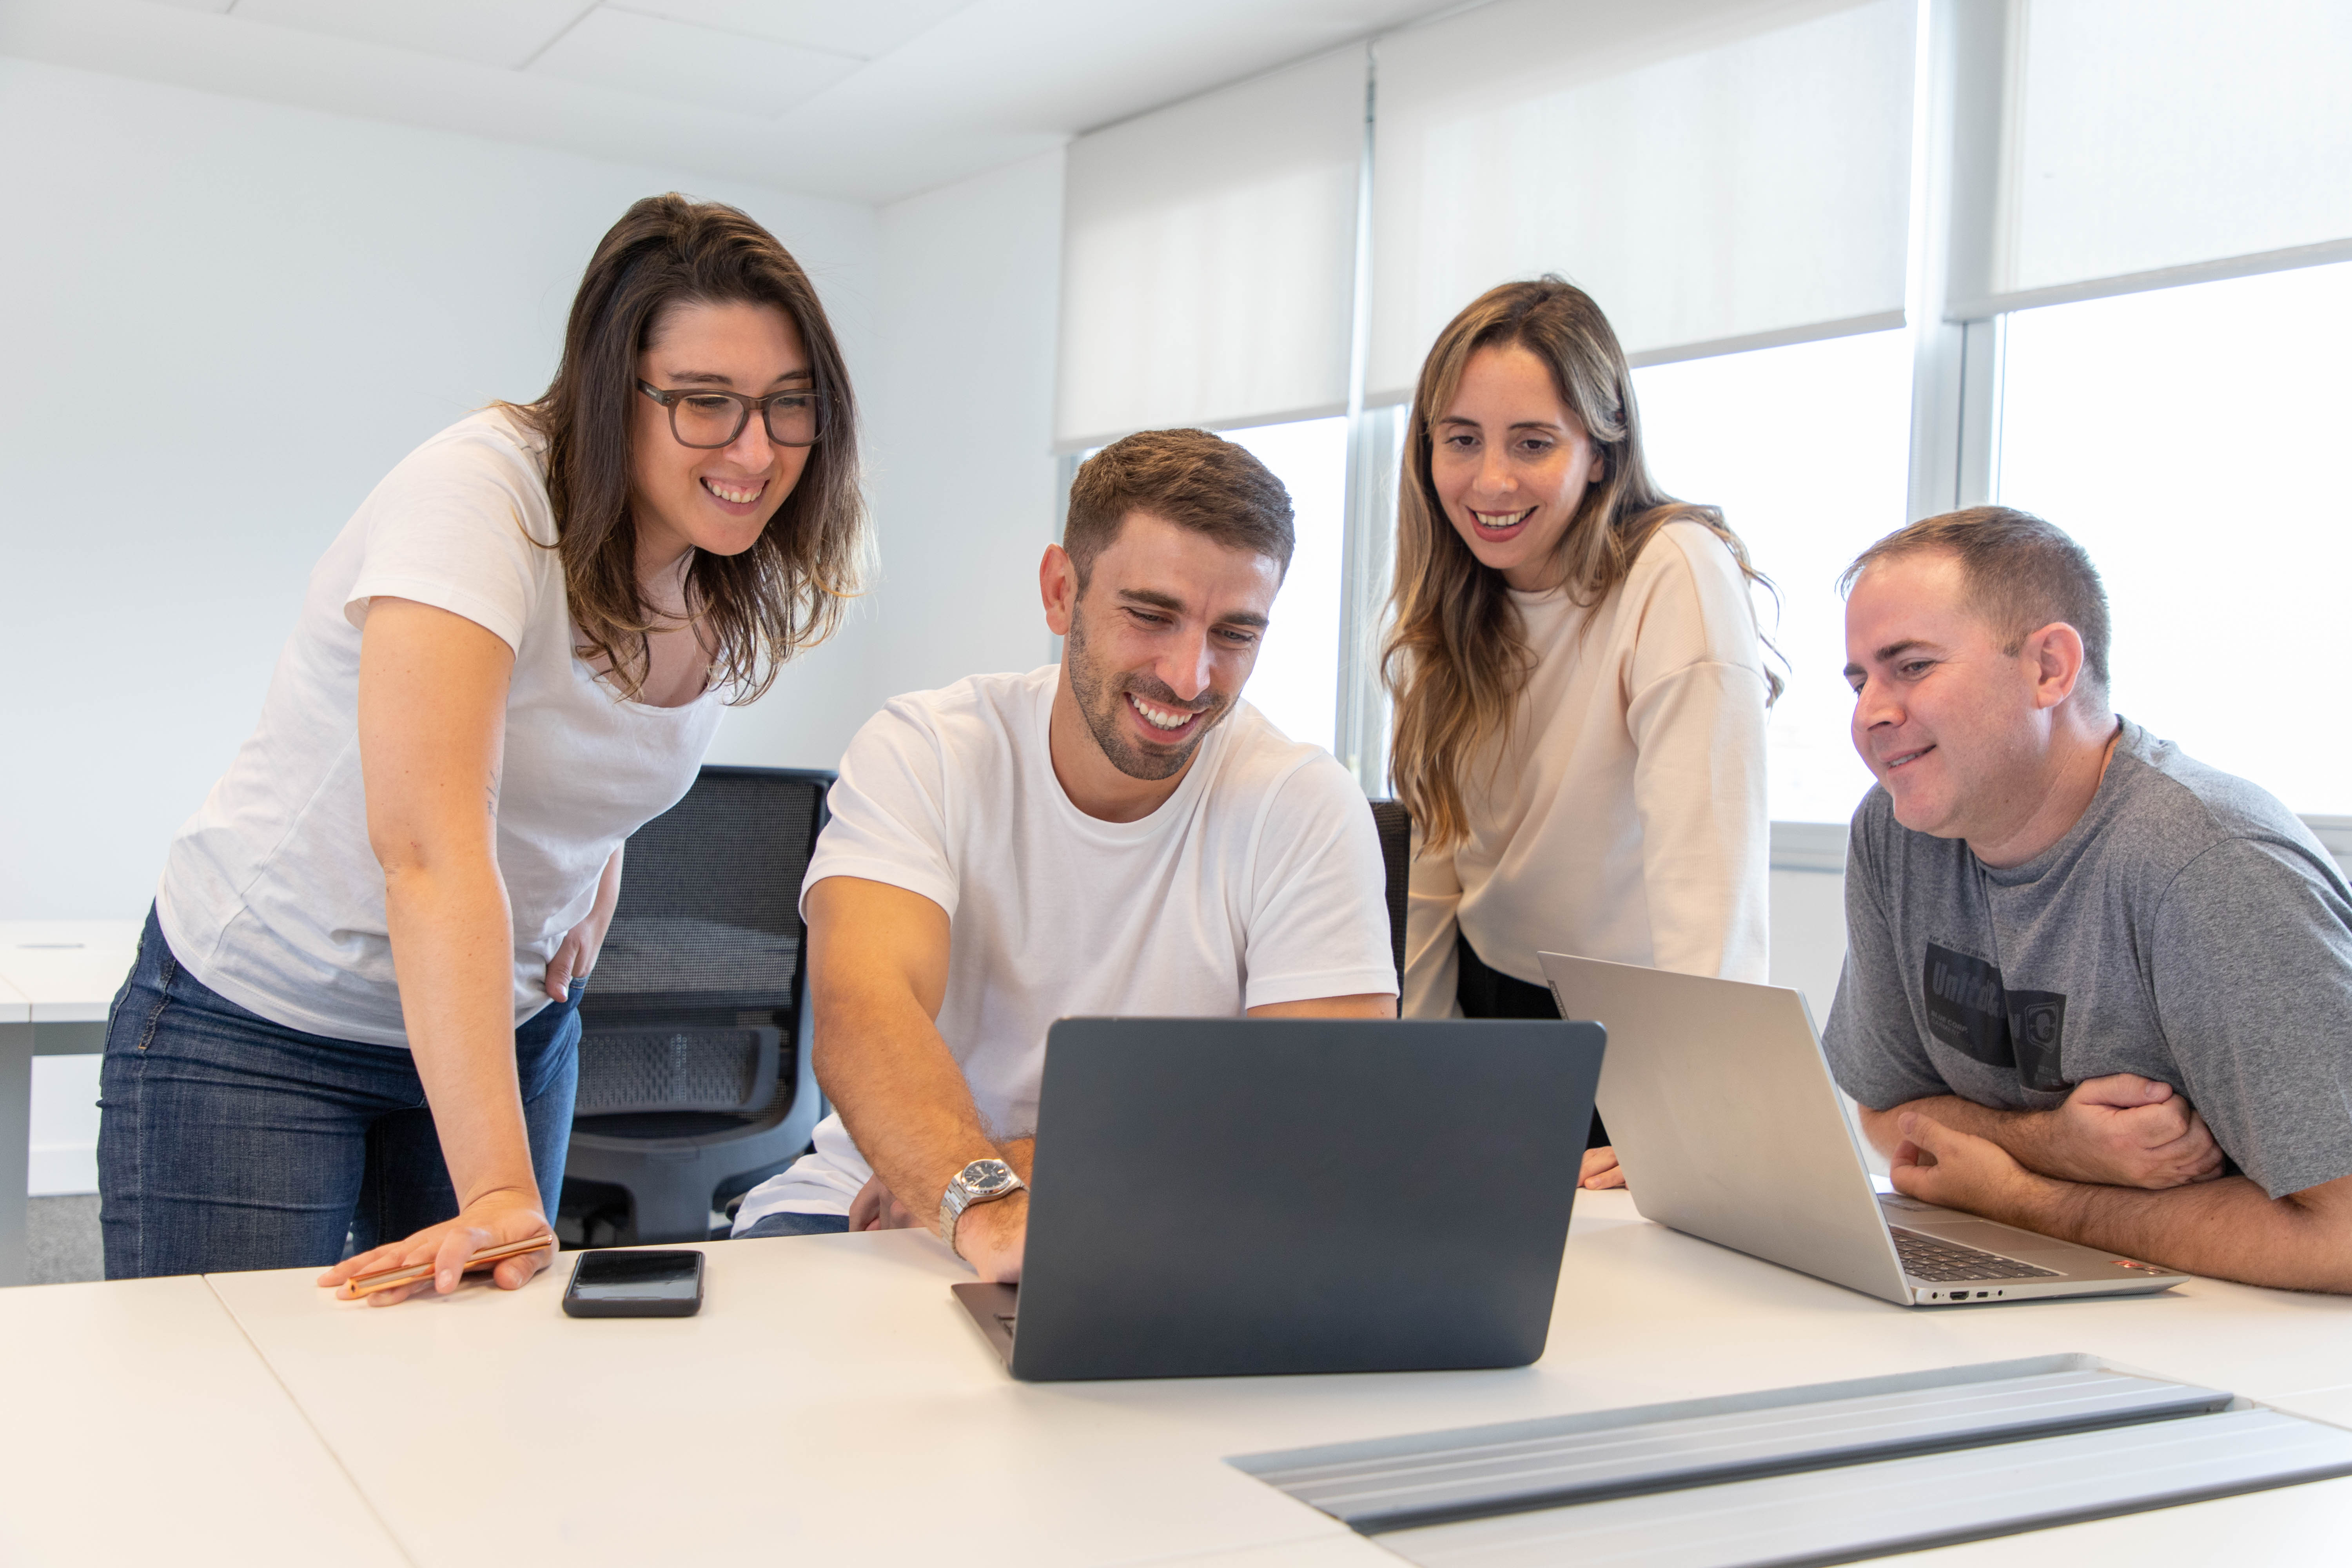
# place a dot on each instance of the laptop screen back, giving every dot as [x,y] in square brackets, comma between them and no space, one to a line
[1727,1121]
[1224,1197]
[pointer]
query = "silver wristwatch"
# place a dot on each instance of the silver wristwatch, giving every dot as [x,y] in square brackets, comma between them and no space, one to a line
[977,1183]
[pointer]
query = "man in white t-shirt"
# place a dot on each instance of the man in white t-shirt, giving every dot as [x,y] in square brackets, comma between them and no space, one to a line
[1119,834]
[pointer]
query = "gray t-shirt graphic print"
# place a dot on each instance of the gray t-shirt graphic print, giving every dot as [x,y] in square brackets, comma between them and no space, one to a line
[2188,928]
[1969,1008]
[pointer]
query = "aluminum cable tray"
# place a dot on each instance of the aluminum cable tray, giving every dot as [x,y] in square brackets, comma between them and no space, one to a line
[1824,1473]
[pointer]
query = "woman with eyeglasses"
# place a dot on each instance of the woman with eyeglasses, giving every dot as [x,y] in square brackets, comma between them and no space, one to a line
[1578,679]
[354,1011]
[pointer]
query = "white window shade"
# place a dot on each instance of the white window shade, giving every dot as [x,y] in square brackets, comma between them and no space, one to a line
[2156,141]
[1209,259]
[1718,176]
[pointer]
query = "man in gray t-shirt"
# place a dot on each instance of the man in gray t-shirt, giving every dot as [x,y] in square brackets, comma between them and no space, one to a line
[2091,986]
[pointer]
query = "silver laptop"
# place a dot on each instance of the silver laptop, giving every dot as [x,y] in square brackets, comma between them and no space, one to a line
[1728,1123]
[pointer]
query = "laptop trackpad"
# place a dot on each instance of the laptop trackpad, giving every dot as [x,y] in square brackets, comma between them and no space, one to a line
[2019,1245]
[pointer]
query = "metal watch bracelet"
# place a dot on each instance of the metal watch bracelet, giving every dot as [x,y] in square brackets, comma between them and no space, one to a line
[983,1181]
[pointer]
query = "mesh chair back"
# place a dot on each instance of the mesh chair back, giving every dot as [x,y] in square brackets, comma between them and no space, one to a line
[726,1072]
[695,987]
[1395,825]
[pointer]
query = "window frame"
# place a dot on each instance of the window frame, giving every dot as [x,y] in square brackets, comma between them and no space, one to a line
[1964,73]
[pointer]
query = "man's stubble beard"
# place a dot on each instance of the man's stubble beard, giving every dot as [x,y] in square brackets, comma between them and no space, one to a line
[1100,700]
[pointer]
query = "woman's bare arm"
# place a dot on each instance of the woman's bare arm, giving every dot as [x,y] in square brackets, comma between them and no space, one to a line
[431,728]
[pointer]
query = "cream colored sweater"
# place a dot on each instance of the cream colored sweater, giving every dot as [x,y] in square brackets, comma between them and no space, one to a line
[1626,817]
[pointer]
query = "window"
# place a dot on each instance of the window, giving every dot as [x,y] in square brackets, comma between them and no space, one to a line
[2193,439]
[1296,682]
[1805,492]
[2013,278]
[1806,449]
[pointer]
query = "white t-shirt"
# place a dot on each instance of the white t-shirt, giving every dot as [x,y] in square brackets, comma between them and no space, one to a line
[1259,880]
[271,895]
[1625,820]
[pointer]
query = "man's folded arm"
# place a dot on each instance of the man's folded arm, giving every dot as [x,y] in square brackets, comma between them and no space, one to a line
[877,975]
[2120,1130]
[2224,1229]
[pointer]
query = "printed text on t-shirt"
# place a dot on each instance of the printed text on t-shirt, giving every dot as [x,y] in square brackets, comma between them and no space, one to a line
[1970,1010]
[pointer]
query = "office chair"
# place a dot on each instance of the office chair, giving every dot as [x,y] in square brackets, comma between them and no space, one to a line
[695,1076]
[1395,825]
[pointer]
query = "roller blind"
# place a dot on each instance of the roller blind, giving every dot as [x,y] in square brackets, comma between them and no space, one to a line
[2150,136]
[1716,175]
[1208,258]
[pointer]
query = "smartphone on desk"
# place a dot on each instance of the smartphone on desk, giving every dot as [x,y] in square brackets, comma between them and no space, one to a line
[629,1284]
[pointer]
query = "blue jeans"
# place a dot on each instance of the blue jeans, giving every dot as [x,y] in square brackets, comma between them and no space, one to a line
[228,1141]
[785,1223]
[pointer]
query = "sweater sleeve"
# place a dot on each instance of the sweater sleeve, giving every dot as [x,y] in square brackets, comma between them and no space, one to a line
[1431,968]
[1696,711]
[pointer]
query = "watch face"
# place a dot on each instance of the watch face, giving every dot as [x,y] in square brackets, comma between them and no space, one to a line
[986,1178]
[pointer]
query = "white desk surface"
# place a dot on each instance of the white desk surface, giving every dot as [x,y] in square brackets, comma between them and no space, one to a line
[832,1401]
[15,1008]
[66,971]
[143,1428]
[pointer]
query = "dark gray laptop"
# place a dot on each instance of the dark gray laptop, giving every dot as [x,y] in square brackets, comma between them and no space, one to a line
[1225,1197]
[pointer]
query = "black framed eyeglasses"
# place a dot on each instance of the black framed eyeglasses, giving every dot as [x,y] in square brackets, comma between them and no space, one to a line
[708,419]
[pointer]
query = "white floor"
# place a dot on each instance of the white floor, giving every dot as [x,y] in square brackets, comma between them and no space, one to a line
[61,1241]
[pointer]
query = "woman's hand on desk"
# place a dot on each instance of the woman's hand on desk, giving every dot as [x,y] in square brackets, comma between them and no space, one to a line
[1602,1170]
[492,1219]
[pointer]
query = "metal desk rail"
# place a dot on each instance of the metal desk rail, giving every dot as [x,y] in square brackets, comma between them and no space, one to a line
[1827,1473]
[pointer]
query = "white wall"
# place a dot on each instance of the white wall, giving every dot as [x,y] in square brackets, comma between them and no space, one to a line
[225,321]
[962,471]
[232,318]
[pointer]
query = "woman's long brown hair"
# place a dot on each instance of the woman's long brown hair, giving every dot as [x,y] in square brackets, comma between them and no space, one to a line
[1456,657]
[789,590]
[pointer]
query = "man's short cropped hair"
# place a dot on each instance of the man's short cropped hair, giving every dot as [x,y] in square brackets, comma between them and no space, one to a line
[1193,479]
[2020,574]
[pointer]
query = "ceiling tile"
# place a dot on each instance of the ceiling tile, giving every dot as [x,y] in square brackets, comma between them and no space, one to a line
[995,81]
[867,29]
[506,33]
[196,4]
[685,64]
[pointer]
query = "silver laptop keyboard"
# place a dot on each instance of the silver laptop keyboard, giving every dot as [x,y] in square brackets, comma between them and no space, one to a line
[1927,1258]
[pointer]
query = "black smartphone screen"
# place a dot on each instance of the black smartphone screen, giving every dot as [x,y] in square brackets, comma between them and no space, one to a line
[620,1284]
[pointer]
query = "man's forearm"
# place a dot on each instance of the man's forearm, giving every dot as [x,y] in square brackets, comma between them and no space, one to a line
[881,1062]
[2226,1230]
[2016,1130]
[2119,1131]
[1020,1153]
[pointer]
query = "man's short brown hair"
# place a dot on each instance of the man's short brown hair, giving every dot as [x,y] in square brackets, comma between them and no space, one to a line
[1192,479]
[2020,573]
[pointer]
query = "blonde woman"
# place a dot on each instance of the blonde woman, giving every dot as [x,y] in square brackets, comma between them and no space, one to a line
[1578,679]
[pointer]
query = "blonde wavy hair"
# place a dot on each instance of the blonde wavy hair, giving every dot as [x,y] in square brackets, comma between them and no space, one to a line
[1456,657]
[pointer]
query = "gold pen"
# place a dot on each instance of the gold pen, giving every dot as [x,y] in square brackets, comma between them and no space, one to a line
[360,1285]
